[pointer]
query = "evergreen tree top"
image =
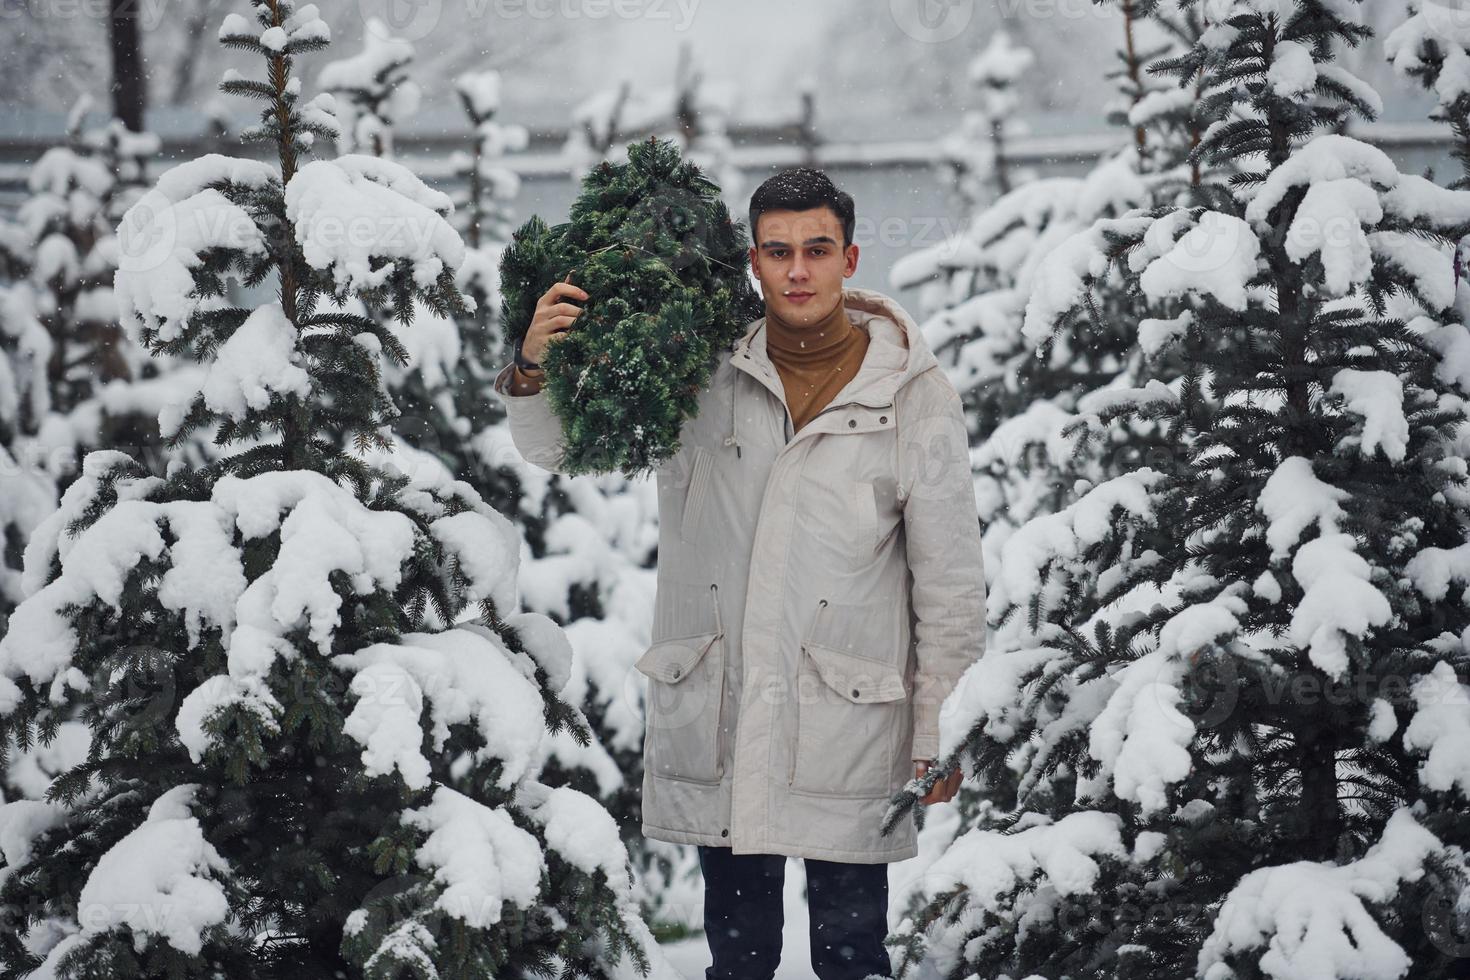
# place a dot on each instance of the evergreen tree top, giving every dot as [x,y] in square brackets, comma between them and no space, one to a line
[664,265]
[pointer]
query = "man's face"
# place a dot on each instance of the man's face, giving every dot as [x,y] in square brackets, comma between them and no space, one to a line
[800,261]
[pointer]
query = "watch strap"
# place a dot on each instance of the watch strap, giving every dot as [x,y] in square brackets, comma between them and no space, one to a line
[521,361]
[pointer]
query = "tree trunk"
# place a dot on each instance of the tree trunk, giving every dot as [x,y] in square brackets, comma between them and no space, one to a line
[129,86]
[195,37]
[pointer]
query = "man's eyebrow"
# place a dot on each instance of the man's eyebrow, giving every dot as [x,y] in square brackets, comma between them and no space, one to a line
[819,240]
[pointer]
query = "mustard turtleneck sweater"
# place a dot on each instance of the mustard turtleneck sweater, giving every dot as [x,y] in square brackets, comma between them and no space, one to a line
[815,361]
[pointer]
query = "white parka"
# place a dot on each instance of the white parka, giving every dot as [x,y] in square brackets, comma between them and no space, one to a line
[819,594]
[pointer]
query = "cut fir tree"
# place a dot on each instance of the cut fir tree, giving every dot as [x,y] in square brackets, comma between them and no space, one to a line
[1241,684]
[664,266]
[299,765]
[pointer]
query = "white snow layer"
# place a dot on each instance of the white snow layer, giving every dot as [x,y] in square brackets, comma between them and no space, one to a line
[990,866]
[1340,599]
[467,677]
[161,241]
[323,530]
[479,856]
[1217,257]
[1443,29]
[162,879]
[260,359]
[1311,918]
[352,212]
[1441,728]
[1378,397]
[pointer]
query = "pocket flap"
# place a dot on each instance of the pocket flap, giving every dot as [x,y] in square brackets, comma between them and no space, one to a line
[673,660]
[859,679]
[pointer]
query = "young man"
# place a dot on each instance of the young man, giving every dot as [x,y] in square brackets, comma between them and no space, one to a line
[820,590]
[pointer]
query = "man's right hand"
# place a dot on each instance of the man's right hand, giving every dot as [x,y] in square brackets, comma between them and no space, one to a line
[552,319]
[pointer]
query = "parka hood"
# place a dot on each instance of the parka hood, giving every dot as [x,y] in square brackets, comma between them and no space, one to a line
[897,353]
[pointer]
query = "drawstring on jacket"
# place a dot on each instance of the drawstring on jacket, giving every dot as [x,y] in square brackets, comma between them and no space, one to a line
[733,439]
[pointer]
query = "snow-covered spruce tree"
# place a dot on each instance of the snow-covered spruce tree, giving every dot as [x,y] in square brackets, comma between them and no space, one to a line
[974,155]
[1038,448]
[592,539]
[490,183]
[1433,46]
[264,648]
[69,220]
[373,91]
[1043,444]
[90,382]
[1168,114]
[69,375]
[1244,661]
[979,282]
[484,220]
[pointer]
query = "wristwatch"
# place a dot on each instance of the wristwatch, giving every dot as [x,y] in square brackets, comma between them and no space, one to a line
[521,361]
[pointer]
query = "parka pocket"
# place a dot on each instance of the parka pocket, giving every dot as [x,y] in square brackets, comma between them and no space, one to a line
[694,498]
[848,711]
[686,693]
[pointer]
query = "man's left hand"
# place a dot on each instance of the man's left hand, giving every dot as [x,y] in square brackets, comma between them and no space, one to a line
[942,791]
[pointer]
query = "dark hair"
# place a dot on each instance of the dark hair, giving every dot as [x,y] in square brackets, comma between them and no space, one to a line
[801,189]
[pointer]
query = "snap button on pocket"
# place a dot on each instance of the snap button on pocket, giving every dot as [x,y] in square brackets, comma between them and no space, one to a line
[683,706]
[844,741]
[852,423]
[882,418]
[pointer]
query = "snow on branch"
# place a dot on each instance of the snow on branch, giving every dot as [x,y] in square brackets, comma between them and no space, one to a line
[478,855]
[161,879]
[1312,921]
[1063,279]
[1066,535]
[1339,597]
[1060,858]
[163,241]
[1441,729]
[359,216]
[1140,737]
[467,677]
[1434,32]
[1216,257]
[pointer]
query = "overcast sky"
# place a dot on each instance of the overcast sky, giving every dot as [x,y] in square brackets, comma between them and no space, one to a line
[877,61]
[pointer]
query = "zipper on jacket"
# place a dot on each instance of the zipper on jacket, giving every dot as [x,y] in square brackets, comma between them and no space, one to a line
[796,730]
[830,408]
[833,408]
[720,711]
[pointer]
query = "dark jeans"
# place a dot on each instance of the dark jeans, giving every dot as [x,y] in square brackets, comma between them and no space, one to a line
[848,906]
